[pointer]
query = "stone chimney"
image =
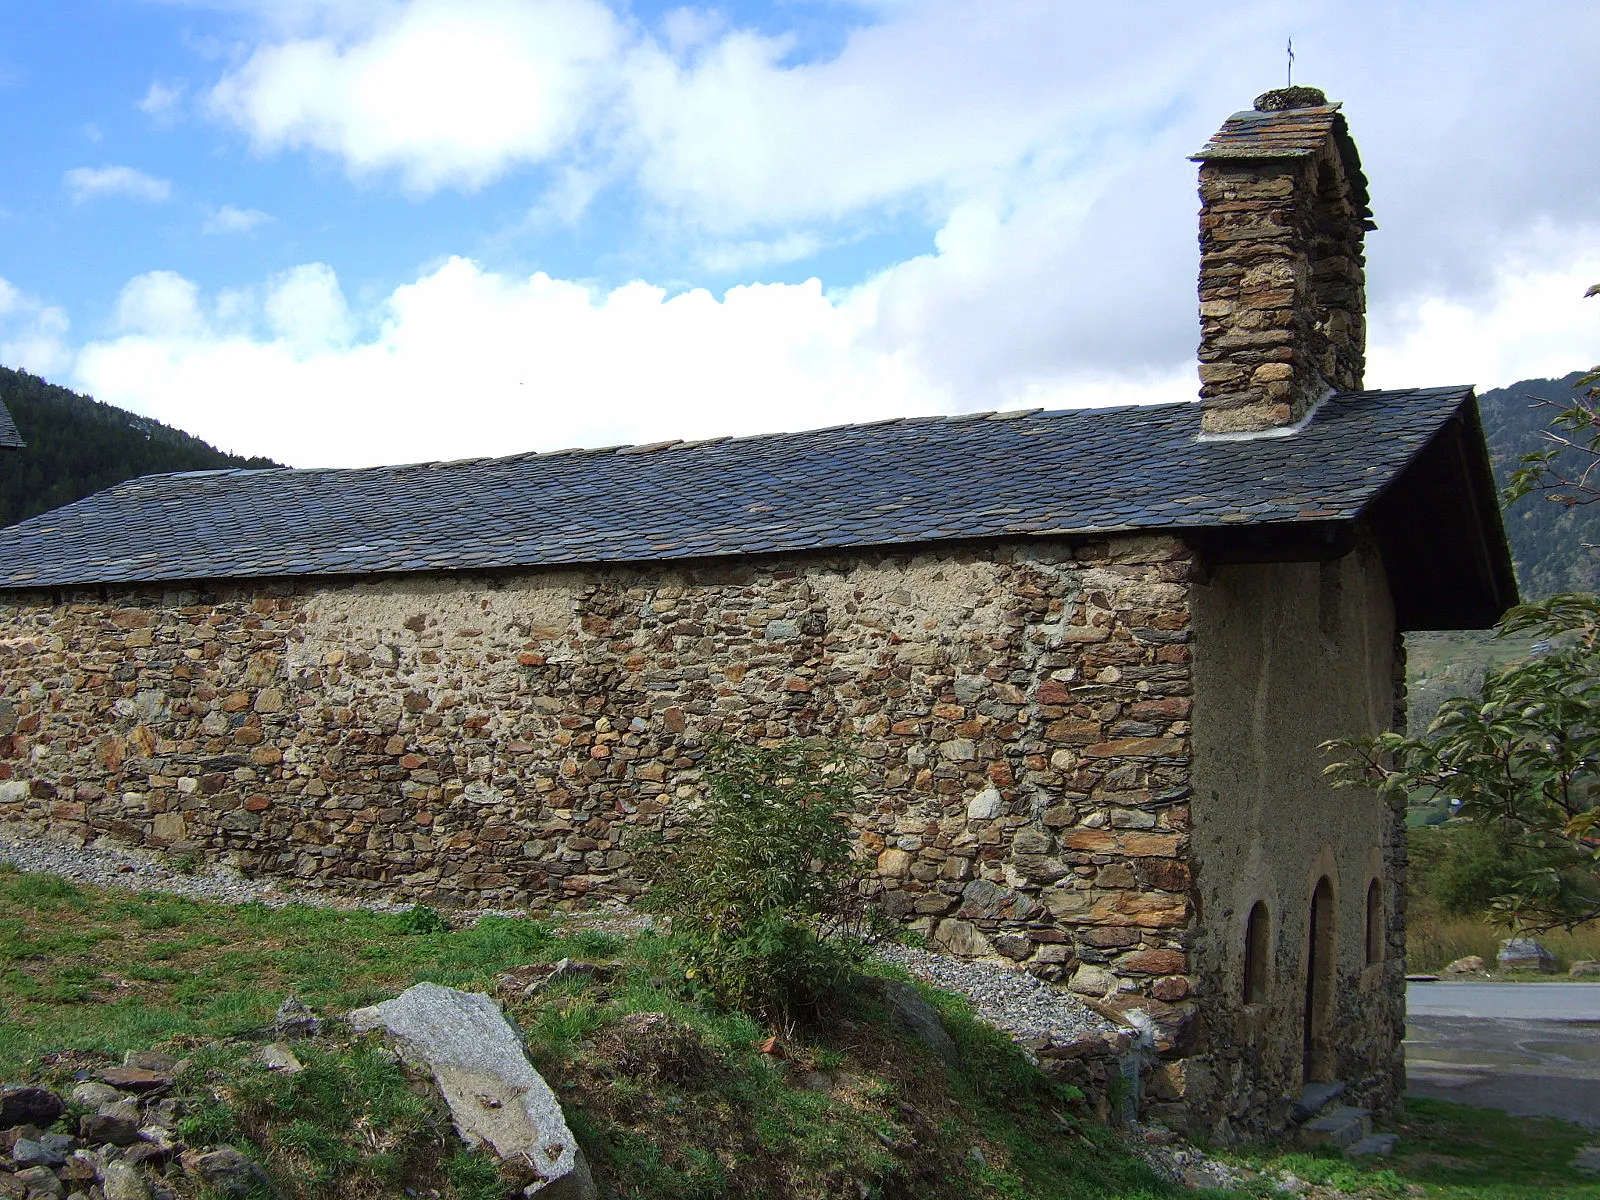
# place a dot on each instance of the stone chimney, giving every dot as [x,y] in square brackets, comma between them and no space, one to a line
[1283,214]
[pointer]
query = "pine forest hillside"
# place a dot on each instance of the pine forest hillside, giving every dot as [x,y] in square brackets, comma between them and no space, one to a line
[78,446]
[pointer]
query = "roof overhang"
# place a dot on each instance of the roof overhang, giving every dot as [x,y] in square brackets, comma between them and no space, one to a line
[1437,525]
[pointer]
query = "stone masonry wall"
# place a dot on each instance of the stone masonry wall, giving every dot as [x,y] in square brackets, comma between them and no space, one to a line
[1023,709]
[1282,300]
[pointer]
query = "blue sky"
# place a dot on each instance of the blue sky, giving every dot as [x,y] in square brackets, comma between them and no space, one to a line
[354,231]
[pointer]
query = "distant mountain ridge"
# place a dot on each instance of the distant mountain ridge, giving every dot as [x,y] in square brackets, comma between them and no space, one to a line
[77,446]
[1547,540]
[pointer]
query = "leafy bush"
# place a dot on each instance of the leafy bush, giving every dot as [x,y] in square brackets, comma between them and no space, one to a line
[421,920]
[760,885]
[1461,867]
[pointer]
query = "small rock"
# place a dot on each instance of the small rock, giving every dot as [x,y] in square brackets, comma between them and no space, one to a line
[97,1095]
[1525,954]
[135,1079]
[1587,966]
[102,1129]
[82,1168]
[29,1153]
[295,1020]
[1588,1160]
[120,1181]
[277,1057]
[164,1113]
[986,805]
[962,938]
[1093,981]
[149,1152]
[61,1143]
[229,1173]
[40,1179]
[1469,965]
[150,1060]
[16,1133]
[29,1106]
[919,1018]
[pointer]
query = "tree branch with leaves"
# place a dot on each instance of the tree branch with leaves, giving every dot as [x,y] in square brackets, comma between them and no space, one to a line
[1522,756]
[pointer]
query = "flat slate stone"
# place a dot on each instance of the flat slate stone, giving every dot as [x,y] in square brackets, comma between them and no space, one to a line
[496,1097]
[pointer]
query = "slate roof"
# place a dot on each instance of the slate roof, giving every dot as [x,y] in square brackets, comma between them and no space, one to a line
[10,438]
[1288,133]
[896,483]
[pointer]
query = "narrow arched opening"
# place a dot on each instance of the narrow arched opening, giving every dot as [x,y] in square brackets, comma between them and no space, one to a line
[1257,954]
[1375,939]
[1320,966]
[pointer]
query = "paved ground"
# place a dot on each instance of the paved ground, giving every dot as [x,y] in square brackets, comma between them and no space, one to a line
[1532,1049]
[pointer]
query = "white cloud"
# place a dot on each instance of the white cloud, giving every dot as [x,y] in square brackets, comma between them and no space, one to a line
[306,310]
[466,361]
[1045,145]
[160,305]
[446,93]
[32,333]
[230,219]
[160,102]
[1533,322]
[85,183]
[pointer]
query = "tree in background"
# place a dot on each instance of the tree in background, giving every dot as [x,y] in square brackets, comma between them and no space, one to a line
[1521,757]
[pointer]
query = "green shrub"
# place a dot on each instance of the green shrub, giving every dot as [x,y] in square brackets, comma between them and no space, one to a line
[1460,868]
[761,888]
[422,920]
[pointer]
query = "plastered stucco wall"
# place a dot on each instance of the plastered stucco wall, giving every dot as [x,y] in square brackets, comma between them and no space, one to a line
[1287,656]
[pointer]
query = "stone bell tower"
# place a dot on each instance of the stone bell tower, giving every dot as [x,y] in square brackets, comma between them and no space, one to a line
[1283,217]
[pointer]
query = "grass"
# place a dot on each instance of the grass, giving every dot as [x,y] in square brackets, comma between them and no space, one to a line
[678,1106]
[681,1105]
[1434,940]
[1453,1152]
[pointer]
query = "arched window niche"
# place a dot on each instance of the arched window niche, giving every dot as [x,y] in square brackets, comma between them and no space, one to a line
[1375,938]
[1257,954]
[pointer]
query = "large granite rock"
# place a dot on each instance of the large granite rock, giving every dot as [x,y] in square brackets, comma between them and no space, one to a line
[1525,954]
[496,1097]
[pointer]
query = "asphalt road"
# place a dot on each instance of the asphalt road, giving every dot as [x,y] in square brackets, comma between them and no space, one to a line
[1532,1049]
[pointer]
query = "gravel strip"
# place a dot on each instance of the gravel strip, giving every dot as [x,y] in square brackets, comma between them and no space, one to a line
[1023,1006]
[1027,1008]
[144,871]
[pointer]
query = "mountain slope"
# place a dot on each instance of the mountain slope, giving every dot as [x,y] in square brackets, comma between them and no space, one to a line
[77,446]
[1547,540]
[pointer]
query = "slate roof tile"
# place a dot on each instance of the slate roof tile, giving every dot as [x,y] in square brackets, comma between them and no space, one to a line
[10,436]
[891,483]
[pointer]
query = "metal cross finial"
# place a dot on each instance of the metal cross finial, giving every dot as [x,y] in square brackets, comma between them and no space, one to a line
[1290,80]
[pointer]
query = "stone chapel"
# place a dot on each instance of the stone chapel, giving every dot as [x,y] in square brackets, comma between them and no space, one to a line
[1089,657]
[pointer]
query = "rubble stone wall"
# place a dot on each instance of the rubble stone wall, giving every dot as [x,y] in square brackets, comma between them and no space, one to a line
[1023,709]
[1282,299]
[1287,656]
